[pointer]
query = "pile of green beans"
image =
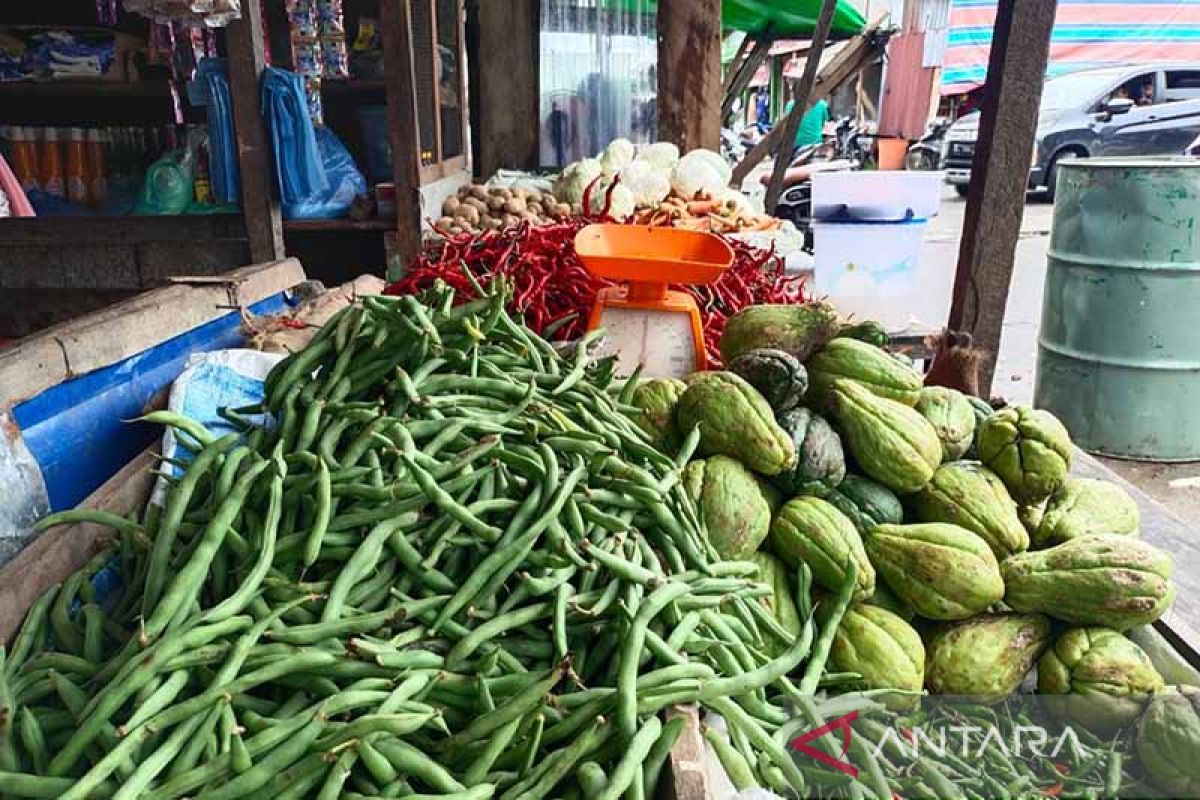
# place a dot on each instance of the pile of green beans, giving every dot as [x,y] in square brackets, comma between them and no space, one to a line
[451,566]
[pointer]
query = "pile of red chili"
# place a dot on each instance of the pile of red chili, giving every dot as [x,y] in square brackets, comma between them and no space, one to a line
[550,284]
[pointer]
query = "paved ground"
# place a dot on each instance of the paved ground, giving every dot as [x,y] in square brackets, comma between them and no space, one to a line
[1018,346]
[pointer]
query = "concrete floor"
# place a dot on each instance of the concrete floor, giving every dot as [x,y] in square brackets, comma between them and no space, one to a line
[1018,347]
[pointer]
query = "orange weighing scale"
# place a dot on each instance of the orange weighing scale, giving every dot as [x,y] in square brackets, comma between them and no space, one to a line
[646,323]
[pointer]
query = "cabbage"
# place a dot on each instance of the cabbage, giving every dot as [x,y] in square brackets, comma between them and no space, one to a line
[574,180]
[616,156]
[650,184]
[700,172]
[661,154]
[622,205]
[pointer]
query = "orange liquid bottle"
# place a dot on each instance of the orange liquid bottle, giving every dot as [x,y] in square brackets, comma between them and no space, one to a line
[97,171]
[77,171]
[50,164]
[25,158]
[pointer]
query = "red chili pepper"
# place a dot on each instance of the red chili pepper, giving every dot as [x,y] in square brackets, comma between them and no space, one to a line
[1061,768]
[1053,791]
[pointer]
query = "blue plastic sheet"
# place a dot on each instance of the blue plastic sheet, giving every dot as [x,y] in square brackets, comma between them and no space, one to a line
[222,147]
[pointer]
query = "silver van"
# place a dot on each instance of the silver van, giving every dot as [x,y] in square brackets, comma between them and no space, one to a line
[1117,111]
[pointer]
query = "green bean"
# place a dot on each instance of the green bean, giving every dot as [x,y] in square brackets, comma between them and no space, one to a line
[492,628]
[33,739]
[631,650]
[411,761]
[780,757]
[32,635]
[557,766]
[629,767]
[816,664]
[362,562]
[518,706]
[324,499]
[736,767]
[235,603]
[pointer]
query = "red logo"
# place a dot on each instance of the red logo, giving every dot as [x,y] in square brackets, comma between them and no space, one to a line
[841,723]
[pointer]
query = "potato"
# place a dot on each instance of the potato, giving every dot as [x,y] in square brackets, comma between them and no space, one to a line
[501,191]
[444,223]
[535,208]
[548,200]
[474,202]
[496,202]
[520,193]
[515,206]
[478,191]
[563,210]
[449,205]
[493,223]
[511,219]
[455,229]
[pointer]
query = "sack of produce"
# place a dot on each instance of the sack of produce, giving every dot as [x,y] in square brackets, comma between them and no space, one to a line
[890,442]
[1029,449]
[942,571]
[781,602]
[1105,679]
[886,598]
[1168,739]
[1082,507]
[799,330]
[987,656]
[866,503]
[730,500]
[868,331]
[1111,580]
[810,531]
[734,421]
[883,649]
[778,376]
[866,364]
[657,398]
[970,495]
[820,463]
[952,417]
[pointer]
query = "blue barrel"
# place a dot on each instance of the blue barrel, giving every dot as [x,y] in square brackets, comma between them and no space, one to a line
[1119,346]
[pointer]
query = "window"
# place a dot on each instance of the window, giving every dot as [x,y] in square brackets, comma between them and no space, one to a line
[439,78]
[1140,90]
[1182,84]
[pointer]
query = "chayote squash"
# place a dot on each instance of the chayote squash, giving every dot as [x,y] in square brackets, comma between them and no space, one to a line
[986,657]
[731,503]
[1082,507]
[883,649]
[799,330]
[1104,679]
[1168,739]
[877,370]
[868,331]
[781,602]
[1029,449]
[657,398]
[941,570]
[866,503]
[890,442]
[810,531]
[735,421]
[1031,517]
[778,376]
[1110,580]
[820,463]
[952,417]
[983,409]
[886,598]
[968,494]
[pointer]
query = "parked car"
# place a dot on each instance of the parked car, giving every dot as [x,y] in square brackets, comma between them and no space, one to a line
[1109,111]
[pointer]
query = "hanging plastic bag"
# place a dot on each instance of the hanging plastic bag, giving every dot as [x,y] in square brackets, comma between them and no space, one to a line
[345,182]
[222,147]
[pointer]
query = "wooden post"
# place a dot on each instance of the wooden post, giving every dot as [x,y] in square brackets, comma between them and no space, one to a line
[260,201]
[741,73]
[395,26]
[689,73]
[506,113]
[999,174]
[800,105]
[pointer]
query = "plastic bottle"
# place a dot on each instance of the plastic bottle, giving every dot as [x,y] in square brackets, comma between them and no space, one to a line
[25,158]
[97,174]
[77,167]
[50,164]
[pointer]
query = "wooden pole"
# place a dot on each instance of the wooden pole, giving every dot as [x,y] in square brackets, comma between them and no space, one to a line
[744,74]
[999,174]
[504,95]
[735,66]
[689,73]
[395,25]
[800,104]
[260,202]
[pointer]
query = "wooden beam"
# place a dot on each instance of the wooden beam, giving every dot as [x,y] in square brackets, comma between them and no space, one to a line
[504,94]
[999,174]
[689,73]
[800,102]
[395,26]
[848,62]
[260,201]
[745,73]
[736,64]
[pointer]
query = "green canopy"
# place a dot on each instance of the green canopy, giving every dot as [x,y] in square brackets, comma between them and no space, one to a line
[788,19]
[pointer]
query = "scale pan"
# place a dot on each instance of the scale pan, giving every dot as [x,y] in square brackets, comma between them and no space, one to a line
[652,254]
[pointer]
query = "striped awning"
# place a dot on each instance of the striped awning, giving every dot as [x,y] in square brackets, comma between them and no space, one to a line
[1087,33]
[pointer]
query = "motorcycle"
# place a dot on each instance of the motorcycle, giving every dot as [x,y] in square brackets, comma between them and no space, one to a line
[926,153]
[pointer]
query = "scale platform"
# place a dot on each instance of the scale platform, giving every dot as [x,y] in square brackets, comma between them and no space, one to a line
[648,324]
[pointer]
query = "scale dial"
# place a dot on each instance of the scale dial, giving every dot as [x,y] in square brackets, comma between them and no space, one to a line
[661,341]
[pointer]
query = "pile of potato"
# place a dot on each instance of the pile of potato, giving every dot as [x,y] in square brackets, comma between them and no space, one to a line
[479,208]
